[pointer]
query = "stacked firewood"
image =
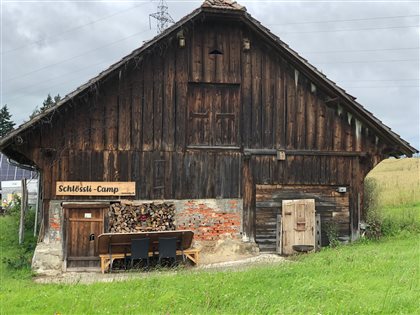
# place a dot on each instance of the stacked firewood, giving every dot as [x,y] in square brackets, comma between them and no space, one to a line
[128,217]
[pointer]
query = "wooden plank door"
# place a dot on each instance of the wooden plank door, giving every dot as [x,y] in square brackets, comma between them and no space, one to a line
[84,225]
[298,224]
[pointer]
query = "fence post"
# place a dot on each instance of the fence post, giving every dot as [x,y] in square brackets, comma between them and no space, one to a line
[23,205]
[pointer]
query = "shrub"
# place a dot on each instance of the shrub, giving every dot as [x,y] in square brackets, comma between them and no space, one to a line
[372,215]
[331,229]
[13,207]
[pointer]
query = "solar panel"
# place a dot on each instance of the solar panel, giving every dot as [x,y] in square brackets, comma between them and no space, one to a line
[11,172]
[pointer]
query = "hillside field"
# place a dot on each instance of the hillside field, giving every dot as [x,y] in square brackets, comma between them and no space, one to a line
[398,191]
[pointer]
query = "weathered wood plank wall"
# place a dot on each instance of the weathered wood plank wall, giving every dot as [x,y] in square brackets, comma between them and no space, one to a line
[146,123]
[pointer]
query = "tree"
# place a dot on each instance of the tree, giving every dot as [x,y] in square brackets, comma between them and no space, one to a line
[6,123]
[48,103]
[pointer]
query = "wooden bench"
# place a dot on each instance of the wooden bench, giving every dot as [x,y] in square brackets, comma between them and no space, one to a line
[193,254]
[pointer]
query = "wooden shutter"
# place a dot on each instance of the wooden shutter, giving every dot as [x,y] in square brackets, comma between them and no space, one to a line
[199,116]
[213,114]
[226,116]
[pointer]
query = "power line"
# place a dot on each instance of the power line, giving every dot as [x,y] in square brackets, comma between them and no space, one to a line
[349,20]
[69,30]
[380,80]
[351,29]
[383,86]
[77,56]
[26,88]
[365,61]
[357,50]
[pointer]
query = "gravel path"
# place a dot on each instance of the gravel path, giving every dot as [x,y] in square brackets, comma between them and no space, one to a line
[97,276]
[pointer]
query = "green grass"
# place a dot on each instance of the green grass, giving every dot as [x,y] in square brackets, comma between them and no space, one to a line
[363,278]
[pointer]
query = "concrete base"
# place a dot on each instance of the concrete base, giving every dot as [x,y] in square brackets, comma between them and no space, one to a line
[226,249]
[47,259]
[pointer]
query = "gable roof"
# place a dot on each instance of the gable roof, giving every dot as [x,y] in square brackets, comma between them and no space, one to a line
[232,7]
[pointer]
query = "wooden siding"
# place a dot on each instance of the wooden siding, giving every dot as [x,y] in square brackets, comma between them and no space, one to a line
[146,123]
[331,205]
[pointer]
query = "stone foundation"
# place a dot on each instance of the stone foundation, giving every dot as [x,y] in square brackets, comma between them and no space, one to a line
[48,258]
[216,223]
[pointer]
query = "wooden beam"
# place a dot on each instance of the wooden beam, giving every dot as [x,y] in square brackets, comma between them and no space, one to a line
[85,205]
[304,152]
[248,216]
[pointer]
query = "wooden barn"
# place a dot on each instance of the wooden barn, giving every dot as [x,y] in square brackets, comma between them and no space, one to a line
[218,116]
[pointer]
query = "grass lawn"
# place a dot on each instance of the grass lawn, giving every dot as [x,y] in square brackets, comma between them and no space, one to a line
[364,278]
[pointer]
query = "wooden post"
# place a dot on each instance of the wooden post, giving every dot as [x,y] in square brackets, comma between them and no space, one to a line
[248,217]
[23,205]
[37,207]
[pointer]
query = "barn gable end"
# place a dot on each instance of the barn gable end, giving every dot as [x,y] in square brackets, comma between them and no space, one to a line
[234,116]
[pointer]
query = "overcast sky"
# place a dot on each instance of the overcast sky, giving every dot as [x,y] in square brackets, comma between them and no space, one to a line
[370,48]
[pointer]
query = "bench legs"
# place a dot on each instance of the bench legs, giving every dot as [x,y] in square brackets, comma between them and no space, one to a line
[106,260]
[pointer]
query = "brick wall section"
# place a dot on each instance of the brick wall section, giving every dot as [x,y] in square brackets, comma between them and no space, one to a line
[210,219]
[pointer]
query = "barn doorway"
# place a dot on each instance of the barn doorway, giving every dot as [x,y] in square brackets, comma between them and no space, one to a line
[331,206]
[83,224]
[298,225]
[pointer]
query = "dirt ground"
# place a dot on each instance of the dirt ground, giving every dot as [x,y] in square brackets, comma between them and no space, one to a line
[92,276]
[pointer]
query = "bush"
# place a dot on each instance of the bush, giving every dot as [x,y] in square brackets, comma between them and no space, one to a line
[29,219]
[331,229]
[372,215]
[13,207]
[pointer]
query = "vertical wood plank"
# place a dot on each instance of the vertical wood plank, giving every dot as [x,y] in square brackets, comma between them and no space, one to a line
[209,61]
[111,120]
[301,114]
[97,119]
[267,102]
[137,110]
[234,43]
[246,90]
[256,113]
[196,48]
[181,90]
[321,125]
[168,124]
[148,110]
[291,111]
[124,113]
[157,100]
[248,195]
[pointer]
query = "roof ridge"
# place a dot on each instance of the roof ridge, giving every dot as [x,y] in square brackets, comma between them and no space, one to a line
[223,4]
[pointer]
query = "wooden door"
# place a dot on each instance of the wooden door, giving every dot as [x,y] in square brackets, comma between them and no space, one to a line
[83,226]
[298,224]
